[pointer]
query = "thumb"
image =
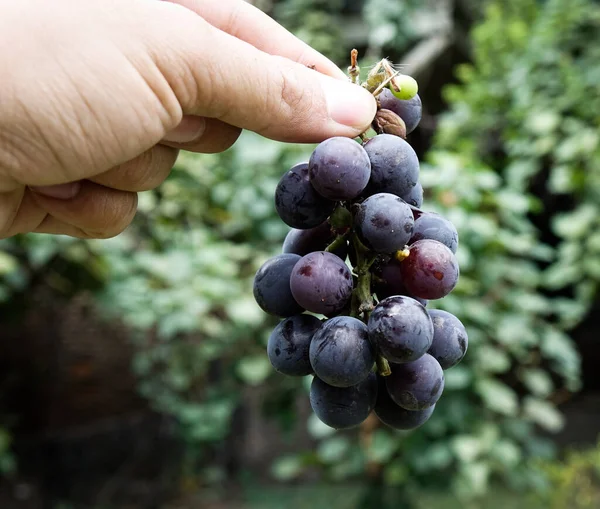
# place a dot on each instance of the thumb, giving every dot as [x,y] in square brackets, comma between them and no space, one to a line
[214,74]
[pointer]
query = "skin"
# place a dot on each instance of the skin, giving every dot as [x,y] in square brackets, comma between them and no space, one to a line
[98,97]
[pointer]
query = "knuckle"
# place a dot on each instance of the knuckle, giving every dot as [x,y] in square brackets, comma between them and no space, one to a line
[294,96]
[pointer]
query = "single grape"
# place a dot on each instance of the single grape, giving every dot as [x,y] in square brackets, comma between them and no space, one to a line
[431,270]
[272,286]
[289,345]
[302,242]
[450,340]
[410,111]
[395,416]
[394,165]
[339,169]
[343,407]
[384,223]
[415,196]
[407,87]
[389,282]
[341,353]
[416,385]
[401,329]
[433,226]
[321,283]
[296,201]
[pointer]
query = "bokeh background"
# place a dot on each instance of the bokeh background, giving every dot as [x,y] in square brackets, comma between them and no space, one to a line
[133,371]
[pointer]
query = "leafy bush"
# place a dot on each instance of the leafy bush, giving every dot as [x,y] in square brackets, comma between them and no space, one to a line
[574,481]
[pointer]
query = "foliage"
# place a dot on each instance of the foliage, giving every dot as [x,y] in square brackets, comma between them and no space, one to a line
[574,481]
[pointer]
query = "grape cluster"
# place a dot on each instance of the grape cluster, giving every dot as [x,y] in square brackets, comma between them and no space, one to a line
[364,256]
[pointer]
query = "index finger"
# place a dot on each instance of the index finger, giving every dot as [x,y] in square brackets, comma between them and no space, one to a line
[244,21]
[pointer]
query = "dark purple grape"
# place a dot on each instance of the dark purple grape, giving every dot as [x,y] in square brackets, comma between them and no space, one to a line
[401,329]
[394,165]
[343,407]
[410,110]
[450,340]
[430,271]
[339,169]
[272,286]
[302,242]
[416,385]
[395,416]
[321,283]
[341,353]
[435,227]
[390,282]
[289,345]
[415,196]
[296,201]
[384,223]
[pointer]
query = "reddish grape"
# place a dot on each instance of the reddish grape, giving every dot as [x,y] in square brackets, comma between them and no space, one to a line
[431,270]
[389,282]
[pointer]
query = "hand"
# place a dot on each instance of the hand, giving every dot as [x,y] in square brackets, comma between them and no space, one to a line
[97,97]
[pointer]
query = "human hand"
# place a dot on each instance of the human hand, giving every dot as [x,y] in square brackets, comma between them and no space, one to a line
[97,97]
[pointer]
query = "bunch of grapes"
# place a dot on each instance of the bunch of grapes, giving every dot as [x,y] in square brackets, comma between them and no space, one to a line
[358,268]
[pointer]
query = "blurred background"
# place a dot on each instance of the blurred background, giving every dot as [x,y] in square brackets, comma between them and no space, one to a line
[133,371]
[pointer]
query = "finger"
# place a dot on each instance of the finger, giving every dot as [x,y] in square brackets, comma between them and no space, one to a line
[96,212]
[190,129]
[214,74]
[244,21]
[143,173]
[217,137]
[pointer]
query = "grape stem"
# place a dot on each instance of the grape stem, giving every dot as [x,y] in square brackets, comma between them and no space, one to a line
[337,243]
[362,298]
[354,70]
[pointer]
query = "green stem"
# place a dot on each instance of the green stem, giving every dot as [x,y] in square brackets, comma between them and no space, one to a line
[337,243]
[362,298]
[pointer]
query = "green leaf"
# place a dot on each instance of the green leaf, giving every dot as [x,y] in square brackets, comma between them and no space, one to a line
[467,448]
[492,360]
[317,428]
[506,452]
[543,413]
[333,449]
[254,370]
[497,396]
[538,382]
[577,224]
[457,378]
[382,446]
[287,468]
[8,263]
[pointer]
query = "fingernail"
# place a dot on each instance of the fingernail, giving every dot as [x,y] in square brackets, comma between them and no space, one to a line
[349,104]
[190,129]
[59,191]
